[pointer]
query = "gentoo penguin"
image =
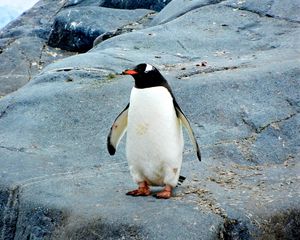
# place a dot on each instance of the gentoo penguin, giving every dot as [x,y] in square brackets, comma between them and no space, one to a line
[154,144]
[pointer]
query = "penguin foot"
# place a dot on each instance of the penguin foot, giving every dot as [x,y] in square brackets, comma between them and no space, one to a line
[138,192]
[165,194]
[143,190]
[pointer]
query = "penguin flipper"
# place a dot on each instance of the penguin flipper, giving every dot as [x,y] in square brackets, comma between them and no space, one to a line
[190,131]
[117,131]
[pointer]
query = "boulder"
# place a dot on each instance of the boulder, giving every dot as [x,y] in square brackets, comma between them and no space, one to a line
[155,5]
[75,29]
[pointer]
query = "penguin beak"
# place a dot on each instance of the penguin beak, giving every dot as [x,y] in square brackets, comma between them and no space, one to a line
[129,72]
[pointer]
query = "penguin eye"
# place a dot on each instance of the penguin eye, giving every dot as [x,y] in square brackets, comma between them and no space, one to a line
[148,68]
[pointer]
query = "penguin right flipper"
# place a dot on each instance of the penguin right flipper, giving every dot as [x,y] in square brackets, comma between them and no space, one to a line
[185,122]
[188,127]
[117,131]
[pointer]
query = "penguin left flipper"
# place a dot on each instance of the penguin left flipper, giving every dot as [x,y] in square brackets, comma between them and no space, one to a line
[185,122]
[117,131]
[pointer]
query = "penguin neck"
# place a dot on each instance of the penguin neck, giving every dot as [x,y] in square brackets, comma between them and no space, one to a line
[149,80]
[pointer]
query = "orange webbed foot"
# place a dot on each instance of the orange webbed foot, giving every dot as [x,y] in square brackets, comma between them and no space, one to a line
[139,192]
[165,194]
[143,190]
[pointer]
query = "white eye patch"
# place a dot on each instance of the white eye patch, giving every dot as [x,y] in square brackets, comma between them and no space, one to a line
[148,68]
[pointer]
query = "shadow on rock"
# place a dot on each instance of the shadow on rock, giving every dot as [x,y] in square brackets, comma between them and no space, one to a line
[100,230]
[284,225]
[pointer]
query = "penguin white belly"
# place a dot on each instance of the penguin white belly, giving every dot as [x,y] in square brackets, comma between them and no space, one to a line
[154,143]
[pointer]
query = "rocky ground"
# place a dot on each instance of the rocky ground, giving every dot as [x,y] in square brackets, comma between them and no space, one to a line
[234,68]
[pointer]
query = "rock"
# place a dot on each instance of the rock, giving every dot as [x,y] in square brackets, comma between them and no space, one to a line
[156,5]
[57,180]
[177,8]
[80,3]
[233,229]
[75,29]
[23,49]
[39,223]
[290,219]
[20,62]
[277,9]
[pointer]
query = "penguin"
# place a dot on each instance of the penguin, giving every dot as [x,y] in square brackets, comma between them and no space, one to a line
[153,121]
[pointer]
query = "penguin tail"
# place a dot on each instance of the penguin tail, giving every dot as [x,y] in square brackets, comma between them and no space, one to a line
[181,180]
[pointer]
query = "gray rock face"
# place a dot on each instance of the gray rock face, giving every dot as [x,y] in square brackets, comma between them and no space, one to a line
[75,29]
[287,9]
[234,72]
[177,8]
[23,48]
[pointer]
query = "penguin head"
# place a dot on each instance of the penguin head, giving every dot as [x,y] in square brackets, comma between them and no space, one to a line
[145,76]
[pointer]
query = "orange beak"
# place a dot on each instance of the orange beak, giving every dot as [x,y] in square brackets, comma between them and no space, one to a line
[129,72]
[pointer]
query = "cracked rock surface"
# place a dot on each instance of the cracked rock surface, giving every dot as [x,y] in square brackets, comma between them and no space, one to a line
[23,48]
[234,68]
